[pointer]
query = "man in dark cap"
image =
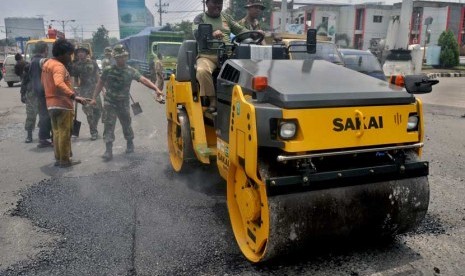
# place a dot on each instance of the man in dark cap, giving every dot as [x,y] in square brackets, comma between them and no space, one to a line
[254,10]
[19,66]
[117,80]
[207,61]
[35,72]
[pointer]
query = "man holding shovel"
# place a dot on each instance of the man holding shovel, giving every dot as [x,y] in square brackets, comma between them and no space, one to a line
[117,81]
[85,72]
[59,97]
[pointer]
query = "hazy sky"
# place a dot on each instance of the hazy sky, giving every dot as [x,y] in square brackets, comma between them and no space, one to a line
[90,14]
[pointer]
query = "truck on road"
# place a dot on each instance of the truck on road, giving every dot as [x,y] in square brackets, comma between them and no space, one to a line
[144,46]
[169,52]
[52,35]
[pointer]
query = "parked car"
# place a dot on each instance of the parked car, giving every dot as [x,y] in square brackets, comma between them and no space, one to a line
[324,50]
[362,61]
[9,71]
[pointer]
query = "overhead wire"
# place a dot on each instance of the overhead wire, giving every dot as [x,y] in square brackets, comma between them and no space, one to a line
[192,6]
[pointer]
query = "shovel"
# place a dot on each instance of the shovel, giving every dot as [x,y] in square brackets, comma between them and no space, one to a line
[76,123]
[136,109]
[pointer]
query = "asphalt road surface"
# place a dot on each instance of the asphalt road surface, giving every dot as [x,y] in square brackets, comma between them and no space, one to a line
[135,216]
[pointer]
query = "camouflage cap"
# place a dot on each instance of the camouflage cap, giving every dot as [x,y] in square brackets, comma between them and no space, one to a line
[108,50]
[255,3]
[119,51]
[82,48]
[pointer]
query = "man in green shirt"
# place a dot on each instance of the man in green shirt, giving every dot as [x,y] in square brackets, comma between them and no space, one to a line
[207,61]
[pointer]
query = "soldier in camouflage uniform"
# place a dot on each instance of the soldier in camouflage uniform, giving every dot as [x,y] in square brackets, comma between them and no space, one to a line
[107,61]
[254,10]
[32,103]
[32,94]
[85,72]
[207,61]
[117,81]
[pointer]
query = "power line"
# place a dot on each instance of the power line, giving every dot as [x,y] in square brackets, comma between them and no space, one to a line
[190,7]
[183,11]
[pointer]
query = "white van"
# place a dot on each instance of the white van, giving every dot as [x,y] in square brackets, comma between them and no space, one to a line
[9,75]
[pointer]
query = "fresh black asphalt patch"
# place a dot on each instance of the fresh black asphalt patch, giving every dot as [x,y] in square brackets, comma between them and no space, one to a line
[146,221]
[131,222]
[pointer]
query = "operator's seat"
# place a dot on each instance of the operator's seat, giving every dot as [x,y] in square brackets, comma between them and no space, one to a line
[260,52]
[183,71]
[186,66]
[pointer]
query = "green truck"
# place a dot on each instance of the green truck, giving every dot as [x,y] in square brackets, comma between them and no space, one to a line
[169,52]
[144,46]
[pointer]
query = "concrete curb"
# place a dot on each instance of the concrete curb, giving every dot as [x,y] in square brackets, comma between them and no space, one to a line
[447,75]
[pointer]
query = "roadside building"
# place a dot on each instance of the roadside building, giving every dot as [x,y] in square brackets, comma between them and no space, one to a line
[444,15]
[364,26]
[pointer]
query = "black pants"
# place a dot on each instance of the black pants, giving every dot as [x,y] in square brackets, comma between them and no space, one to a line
[45,124]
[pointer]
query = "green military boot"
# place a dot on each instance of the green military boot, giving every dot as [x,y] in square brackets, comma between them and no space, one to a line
[108,155]
[29,137]
[94,136]
[130,147]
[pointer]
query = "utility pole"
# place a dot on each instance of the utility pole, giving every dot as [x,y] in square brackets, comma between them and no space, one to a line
[75,32]
[160,10]
[203,5]
[283,15]
[63,23]
[428,22]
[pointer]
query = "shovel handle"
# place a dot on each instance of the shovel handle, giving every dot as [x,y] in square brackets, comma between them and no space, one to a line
[75,109]
[130,96]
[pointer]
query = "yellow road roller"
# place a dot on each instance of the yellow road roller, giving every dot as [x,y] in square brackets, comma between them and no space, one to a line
[309,149]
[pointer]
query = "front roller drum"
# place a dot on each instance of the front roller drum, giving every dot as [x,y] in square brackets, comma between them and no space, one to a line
[265,227]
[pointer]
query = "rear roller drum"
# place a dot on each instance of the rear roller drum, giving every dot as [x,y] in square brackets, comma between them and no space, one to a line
[180,143]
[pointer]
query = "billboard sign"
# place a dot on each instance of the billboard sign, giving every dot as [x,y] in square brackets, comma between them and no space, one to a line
[132,17]
[27,27]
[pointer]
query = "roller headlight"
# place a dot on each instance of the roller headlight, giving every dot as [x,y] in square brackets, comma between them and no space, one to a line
[287,130]
[412,124]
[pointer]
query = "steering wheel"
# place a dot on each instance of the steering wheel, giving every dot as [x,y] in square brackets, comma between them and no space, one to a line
[250,37]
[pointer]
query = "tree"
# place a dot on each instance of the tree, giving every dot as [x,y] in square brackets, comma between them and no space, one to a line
[185,27]
[449,56]
[113,40]
[100,40]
